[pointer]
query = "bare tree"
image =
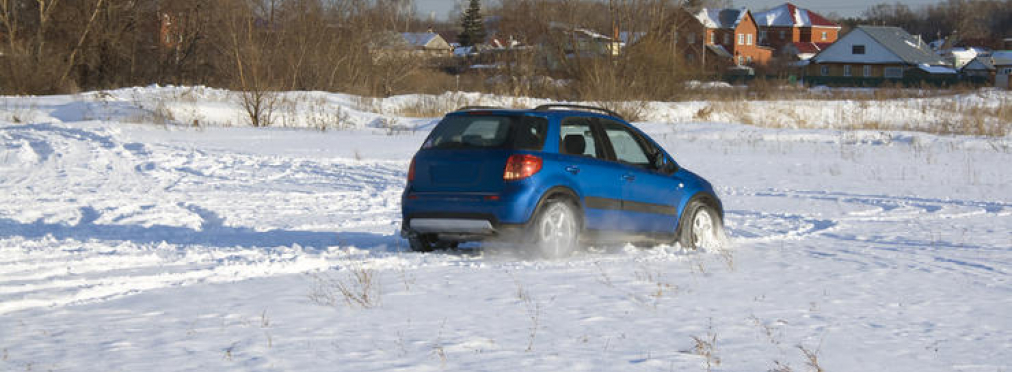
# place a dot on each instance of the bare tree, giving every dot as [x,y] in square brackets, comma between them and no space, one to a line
[251,47]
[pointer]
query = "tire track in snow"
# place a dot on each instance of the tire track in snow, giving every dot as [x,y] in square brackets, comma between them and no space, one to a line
[931,246]
[94,217]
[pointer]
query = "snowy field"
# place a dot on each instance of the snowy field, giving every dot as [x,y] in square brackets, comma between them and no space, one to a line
[132,241]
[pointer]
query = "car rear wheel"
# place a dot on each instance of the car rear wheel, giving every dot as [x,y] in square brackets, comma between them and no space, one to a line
[429,243]
[701,226]
[556,230]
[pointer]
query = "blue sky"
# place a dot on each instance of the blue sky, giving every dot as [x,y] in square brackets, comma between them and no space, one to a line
[441,8]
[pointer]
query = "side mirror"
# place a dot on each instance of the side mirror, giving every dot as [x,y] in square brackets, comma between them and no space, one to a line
[665,165]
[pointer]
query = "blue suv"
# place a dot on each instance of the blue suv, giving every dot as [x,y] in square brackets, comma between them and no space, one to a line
[551,178]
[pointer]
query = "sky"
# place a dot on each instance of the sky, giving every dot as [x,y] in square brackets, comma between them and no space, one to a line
[851,8]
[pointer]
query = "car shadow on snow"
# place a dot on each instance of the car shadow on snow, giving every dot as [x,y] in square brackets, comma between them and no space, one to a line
[213,236]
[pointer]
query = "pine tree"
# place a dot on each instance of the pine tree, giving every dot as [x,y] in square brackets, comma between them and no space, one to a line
[473,25]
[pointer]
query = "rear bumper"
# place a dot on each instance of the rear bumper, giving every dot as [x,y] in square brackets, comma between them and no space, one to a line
[451,225]
[460,227]
[468,216]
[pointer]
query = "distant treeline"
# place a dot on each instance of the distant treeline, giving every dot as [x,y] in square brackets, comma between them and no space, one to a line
[56,46]
[975,22]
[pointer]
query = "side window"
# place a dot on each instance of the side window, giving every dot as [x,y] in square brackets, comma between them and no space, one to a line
[628,148]
[577,138]
[531,133]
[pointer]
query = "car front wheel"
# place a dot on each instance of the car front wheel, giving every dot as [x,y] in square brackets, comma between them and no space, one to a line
[701,226]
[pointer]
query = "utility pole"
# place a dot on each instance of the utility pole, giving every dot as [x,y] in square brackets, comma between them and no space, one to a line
[702,59]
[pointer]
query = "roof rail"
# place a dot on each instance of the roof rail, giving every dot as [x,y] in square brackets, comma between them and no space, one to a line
[578,107]
[465,108]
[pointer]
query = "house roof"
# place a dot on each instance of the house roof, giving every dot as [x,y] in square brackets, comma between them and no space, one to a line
[591,34]
[789,15]
[808,47]
[908,48]
[719,51]
[979,64]
[419,39]
[721,18]
[630,37]
[1002,58]
[936,69]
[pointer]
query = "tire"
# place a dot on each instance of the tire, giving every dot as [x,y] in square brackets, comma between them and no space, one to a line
[429,243]
[700,227]
[556,231]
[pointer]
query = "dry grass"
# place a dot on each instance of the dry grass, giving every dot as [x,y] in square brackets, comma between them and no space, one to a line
[533,308]
[358,288]
[706,347]
[811,358]
[963,115]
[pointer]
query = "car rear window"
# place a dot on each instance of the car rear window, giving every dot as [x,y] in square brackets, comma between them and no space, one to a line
[486,131]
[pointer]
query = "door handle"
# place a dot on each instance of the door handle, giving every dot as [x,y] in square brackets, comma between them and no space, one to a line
[628,177]
[572,169]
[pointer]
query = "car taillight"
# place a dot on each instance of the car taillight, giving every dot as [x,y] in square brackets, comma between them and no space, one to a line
[411,170]
[521,166]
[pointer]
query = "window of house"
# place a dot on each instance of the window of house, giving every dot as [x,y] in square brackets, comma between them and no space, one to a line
[824,37]
[857,49]
[824,70]
[741,60]
[748,39]
[783,34]
[741,39]
[713,38]
[762,36]
[846,70]
[749,59]
[1006,71]
[727,39]
[893,72]
[867,70]
[691,39]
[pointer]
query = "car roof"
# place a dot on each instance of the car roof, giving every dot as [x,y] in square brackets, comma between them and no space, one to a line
[552,110]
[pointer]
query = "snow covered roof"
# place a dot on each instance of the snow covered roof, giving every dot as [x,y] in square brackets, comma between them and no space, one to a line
[721,18]
[806,50]
[809,47]
[719,50]
[789,15]
[591,34]
[936,69]
[908,48]
[461,51]
[1002,58]
[979,64]
[628,37]
[419,39]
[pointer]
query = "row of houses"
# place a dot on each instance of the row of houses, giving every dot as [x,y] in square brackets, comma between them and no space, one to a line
[746,39]
[813,45]
[725,41]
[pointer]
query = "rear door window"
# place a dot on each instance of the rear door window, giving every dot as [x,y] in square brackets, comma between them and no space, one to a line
[478,131]
[579,127]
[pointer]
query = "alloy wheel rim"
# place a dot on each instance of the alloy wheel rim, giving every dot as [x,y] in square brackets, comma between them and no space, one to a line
[557,230]
[702,228]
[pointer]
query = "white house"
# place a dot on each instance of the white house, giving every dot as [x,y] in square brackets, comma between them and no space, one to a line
[960,56]
[428,42]
[878,52]
[1002,62]
[979,67]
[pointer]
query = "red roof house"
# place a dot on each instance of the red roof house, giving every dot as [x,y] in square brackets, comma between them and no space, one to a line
[789,25]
